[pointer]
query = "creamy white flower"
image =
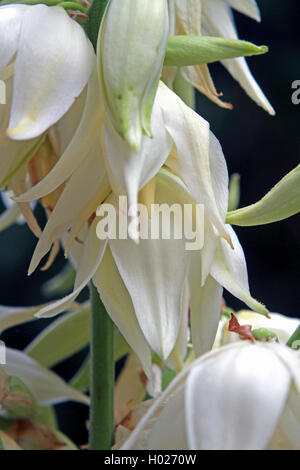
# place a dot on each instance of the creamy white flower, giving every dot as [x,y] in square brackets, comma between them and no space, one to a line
[144,286]
[52,60]
[240,397]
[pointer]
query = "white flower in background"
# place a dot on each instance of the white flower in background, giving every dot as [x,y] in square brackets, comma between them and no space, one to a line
[131,53]
[240,397]
[215,18]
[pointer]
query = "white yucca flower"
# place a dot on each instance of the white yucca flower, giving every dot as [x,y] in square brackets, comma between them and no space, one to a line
[240,397]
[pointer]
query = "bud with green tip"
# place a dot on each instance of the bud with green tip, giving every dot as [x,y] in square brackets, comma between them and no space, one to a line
[131,51]
[183,51]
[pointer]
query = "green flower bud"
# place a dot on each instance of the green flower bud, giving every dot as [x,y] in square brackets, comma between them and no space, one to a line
[131,49]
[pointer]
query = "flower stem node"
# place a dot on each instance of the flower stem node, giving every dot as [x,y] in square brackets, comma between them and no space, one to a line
[129,81]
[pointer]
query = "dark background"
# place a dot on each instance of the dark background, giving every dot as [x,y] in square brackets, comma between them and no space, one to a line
[262,149]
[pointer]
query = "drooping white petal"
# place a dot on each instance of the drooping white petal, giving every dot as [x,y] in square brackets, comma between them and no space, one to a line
[12,316]
[49,72]
[205,308]
[86,136]
[89,261]
[229,269]
[154,272]
[233,402]
[217,21]
[132,170]
[190,134]
[247,7]
[11,17]
[119,306]
[47,387]
[169,431]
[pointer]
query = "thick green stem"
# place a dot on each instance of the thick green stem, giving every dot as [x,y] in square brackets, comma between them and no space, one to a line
[102,330]
[102,375]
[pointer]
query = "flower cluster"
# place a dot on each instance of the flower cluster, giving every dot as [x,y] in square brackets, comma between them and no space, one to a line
[83,128]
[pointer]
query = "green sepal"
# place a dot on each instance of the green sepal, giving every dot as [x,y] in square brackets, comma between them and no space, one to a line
[62,338]
[183,51]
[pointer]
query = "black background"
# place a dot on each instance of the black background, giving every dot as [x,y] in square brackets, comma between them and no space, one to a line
[262,149]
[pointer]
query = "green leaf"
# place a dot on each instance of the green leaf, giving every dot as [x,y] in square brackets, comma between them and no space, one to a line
[95,14]
[69,444]
[61,339]
[62,283]
[1,445]
[234,192]
[184,90]
[46,415]
[81,380]
[167,377]
[281,202]
[294,341]
[183,51]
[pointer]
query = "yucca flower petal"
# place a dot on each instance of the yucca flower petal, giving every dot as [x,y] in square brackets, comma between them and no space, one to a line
[229,269]
[86,136]
[89,260]
[11,17]
[257,384]
[191,136]
[206,305]
[217,21]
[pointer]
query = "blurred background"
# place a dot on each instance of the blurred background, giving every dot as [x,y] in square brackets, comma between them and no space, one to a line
[262,149]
